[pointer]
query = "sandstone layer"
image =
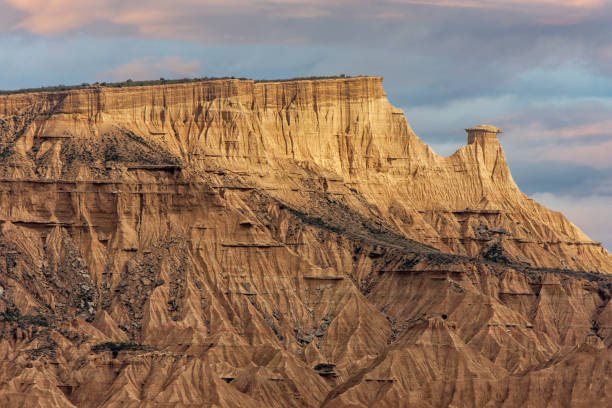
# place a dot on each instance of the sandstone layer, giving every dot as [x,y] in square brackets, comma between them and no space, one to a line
[232,243]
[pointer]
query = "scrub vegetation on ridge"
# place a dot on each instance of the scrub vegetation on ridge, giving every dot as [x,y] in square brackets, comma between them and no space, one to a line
[161,81]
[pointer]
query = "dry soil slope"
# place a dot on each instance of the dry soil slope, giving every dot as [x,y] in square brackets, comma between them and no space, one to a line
[235,236]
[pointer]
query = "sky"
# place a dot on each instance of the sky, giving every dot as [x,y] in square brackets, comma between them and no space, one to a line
[539,69]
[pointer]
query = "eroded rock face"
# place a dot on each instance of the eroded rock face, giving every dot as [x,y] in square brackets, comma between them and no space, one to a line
[232,243]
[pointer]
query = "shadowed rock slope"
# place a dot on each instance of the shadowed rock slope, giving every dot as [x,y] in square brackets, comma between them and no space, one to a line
[239,244]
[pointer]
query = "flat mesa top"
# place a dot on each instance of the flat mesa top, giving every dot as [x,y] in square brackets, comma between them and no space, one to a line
[486,128]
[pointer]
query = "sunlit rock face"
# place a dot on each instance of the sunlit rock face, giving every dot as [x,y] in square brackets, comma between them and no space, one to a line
[232,243]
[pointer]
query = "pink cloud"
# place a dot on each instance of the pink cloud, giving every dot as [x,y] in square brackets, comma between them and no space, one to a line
[554,12]
[595,155]
[147,17]
[55,16]
[147,68]
[539,131]
[507,4]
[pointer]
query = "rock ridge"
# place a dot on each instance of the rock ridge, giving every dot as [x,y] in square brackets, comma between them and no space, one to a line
[240,244]
[348,130]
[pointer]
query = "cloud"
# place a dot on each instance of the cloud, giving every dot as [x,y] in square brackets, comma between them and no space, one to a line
[47,17]
[560,178]
[556,12]
[541,131]
[508,4]
[590,213]
[55,16]
[149,68]
[190,18]
[597,155]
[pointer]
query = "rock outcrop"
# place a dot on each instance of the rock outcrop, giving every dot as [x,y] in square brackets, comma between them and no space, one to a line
[232,243]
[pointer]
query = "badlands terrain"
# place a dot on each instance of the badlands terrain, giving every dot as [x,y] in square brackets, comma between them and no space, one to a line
[229,243]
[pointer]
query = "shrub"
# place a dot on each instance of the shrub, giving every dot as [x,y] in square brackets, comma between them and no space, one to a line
[14,316]
[130,82]
[115,348]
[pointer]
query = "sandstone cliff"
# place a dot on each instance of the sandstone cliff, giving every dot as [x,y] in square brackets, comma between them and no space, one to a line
[232,243]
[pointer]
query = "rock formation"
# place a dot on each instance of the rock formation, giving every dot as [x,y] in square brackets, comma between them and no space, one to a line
[242,244]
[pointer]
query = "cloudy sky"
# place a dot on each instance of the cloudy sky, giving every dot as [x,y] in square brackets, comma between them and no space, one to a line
[539,69]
